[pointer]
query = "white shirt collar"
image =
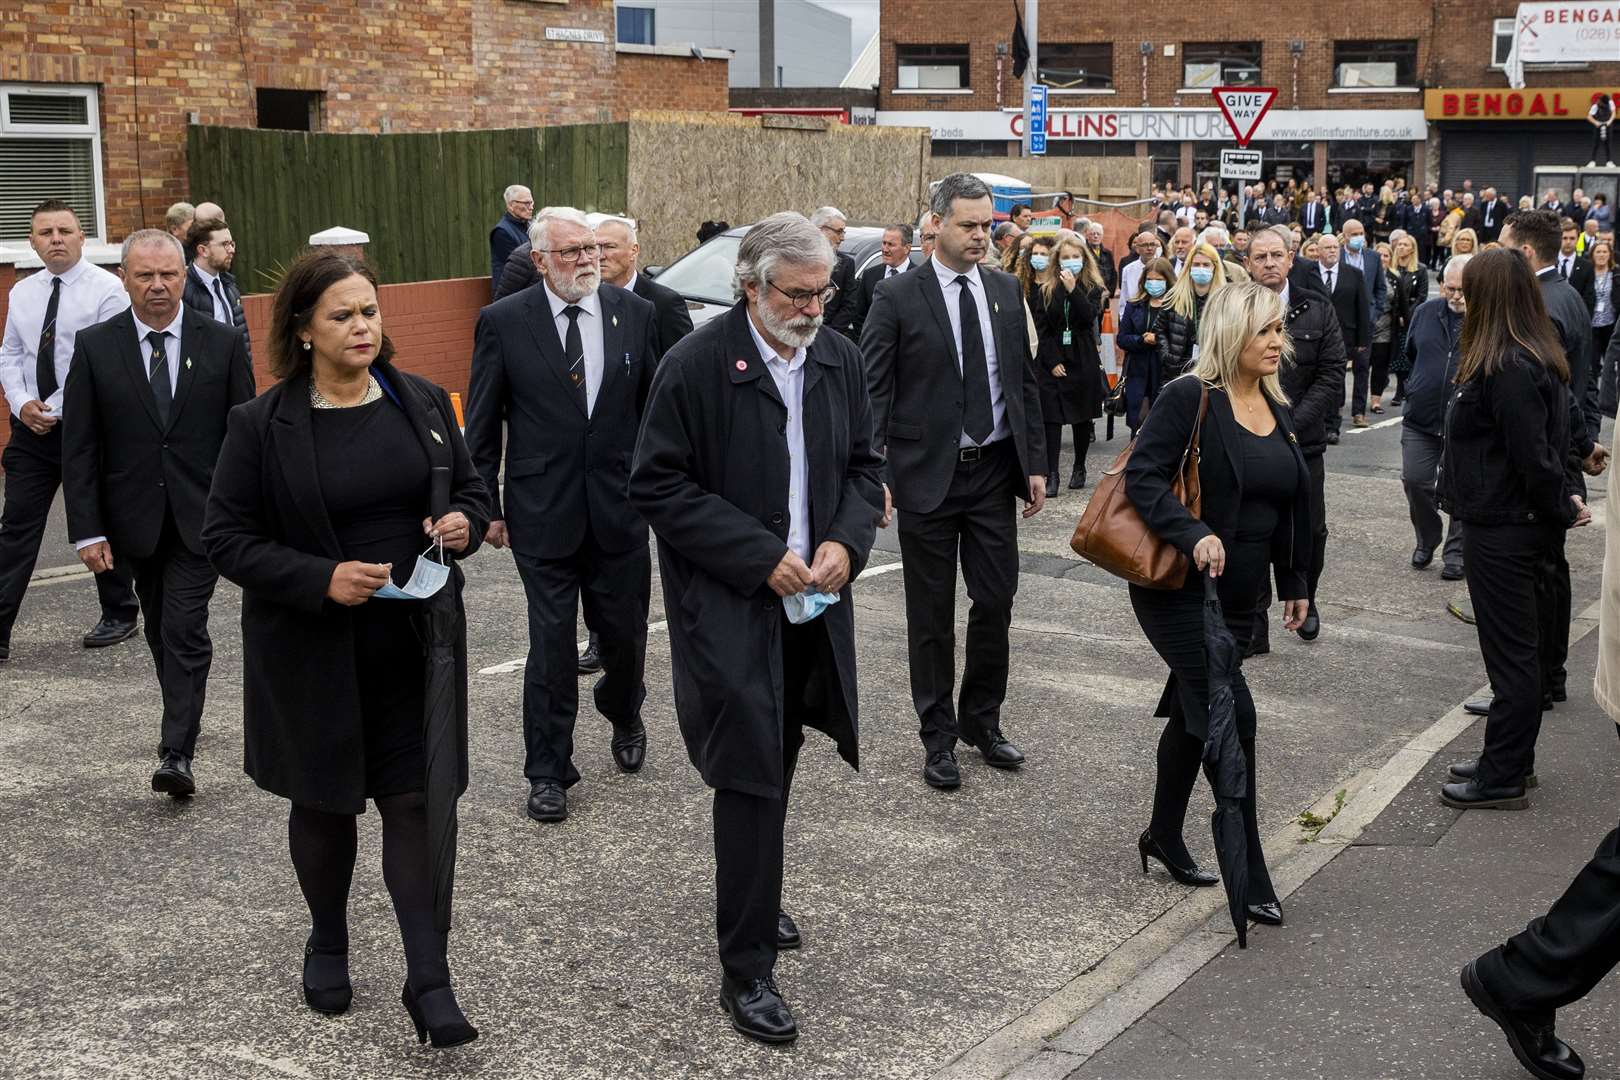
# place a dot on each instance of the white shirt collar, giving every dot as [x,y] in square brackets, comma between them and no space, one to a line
[590,303]
[947,276]
[1284,296]
[207,278]
[141,329]
[770,355]
[68,276]
[631,284]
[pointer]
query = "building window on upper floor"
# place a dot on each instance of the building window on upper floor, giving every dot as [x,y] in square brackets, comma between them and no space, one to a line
[1207,64]
[1502,44]
[637,26]
[288,110]
[1076,67]
[1367,64]
[50,148]
[969,148]
[931,67]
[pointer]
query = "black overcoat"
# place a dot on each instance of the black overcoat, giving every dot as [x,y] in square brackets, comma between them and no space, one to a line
[1076,398]
[711,478]
[267,530]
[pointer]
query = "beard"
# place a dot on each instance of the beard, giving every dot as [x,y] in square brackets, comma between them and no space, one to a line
[577,286]
[796,333]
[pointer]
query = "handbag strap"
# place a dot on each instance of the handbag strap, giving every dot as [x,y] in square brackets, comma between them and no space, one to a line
[1198,428]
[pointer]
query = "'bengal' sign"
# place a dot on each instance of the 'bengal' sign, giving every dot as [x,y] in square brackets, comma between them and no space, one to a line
[1496,103]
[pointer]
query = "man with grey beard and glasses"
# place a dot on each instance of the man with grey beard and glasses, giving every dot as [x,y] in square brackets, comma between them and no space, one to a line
[756,471]
[565,369]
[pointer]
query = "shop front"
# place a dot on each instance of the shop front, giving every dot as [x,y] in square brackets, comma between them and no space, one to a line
[1499,138]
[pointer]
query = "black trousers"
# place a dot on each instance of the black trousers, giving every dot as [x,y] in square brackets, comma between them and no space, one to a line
[748,830]
[1562,955]
[977,518]
[175,585]
[33,467]
[1361,377]
[614,587]
[1317,469]
[1515,612]
[1555,607]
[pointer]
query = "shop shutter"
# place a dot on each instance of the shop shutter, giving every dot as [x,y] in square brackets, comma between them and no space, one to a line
[1484,157]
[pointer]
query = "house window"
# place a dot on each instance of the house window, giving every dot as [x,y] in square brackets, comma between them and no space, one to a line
[50,148]
[1077,67]
[931,67]
[636,26]
[1206,64]
[289,110]
[969,148]
[1374,63]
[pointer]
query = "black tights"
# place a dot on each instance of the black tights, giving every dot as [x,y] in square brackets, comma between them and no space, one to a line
[323,849]
[1083,434]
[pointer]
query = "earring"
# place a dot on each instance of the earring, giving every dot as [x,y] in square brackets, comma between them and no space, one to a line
[306,346]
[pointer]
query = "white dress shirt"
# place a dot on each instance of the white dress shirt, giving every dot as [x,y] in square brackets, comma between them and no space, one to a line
[590,337]
[953,308]
[789,378]
[89,295]
[221,311]
[1566,264]
[171,348]
[1330,275]
[894,271]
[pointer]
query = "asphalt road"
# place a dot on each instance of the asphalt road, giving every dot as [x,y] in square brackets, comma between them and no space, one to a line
[147,938]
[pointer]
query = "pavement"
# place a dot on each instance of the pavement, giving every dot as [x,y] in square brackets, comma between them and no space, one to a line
[946,935]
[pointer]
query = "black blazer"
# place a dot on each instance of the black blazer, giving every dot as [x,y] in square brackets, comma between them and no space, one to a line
[1351,303]
[1154,462]
[267,530]
[564,472]
[1312,216]
[914,375]
[1583,279]
[674,320]
[123,470]
[866,286]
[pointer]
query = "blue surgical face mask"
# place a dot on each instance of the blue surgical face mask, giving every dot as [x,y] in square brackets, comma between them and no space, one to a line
[1202,275]
[802,607]
[1039,262]
[1153,287]
[1356,243]
[1073,266]
[427,578]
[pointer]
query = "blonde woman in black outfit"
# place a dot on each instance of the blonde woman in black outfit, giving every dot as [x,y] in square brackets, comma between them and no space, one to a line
[1256,522]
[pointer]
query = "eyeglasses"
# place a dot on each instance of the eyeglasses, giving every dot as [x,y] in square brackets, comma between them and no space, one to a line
[801,300]
[573,254]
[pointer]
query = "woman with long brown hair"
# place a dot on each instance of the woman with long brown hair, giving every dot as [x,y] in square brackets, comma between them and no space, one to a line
[1068,296]
[1502,475]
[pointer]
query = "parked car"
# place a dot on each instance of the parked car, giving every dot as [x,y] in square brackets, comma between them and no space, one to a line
[706,275]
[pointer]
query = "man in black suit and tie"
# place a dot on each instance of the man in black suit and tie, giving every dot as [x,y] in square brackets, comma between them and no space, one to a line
[1352,301]
[956,404]
[565,368]
[1493,213]
[210,287]
[1576,269]
[147,396]
[840,313]
[620,251]
[1313,215]
[896,260]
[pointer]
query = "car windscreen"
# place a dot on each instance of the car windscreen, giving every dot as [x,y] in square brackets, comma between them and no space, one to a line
[705,273]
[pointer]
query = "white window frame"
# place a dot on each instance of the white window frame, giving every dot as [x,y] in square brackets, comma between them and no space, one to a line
[90,129]
[1505,26]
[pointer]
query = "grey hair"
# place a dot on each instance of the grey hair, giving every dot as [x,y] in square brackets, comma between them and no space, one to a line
[904,230]
[539,228]
[956,186]
[143,237]
[1215,236]
[1003,230]
[823,216]
[1459,261]
[629,224]
[789,238]
[513,191]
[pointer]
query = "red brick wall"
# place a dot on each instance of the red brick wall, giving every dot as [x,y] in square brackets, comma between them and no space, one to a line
[423,66]
[671,82]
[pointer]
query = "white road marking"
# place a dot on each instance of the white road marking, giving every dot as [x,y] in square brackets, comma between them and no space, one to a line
[1374,427]
[510,666]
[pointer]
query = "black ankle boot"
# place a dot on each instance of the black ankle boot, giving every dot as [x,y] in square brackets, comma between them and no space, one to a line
[1077,479]
[437,1017]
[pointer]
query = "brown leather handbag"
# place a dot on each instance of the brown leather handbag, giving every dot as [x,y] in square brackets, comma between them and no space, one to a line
[1113,535]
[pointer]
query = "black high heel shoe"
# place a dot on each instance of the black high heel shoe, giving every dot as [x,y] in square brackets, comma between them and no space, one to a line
[331,1000]
[1148,847]
[437,1017]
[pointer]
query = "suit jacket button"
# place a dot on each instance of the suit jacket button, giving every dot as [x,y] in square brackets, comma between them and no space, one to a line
[776,519]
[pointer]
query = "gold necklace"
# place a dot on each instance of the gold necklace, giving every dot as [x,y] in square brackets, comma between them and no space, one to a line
[317,400]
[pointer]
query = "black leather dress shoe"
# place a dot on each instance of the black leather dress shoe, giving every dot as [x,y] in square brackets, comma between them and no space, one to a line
[1451,572]
[1077,479]
[1311,627]
[1051,486]
[1467,770]
[1536,1045]
[941,772]
[5,652]
[1333,438]
[548,801]
[630,749]
[1481,706]
[757,1010]
[1422,557]
[999,752]
[787,932]
[1558,693]
[173,776]
[1470,795]
[107,632]
[1267,914]
[590,661]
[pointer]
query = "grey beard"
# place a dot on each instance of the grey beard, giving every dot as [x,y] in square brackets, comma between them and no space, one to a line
[797,337]
[578,289]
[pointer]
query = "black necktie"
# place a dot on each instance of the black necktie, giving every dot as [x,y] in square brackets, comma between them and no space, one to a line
[224,304]
[574,354]
[1330,280]
[978,422]
[45,367]
[1564,270]
[158,372]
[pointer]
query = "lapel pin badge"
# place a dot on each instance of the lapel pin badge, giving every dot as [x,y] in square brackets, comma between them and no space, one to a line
[742,365]
[436,437]
[997,305]
[188,363]
[615,320]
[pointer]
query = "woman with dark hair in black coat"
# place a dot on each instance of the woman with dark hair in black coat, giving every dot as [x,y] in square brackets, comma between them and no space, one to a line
[1256,519]
[321,499]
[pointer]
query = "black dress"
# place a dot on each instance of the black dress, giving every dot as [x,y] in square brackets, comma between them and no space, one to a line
[374,481]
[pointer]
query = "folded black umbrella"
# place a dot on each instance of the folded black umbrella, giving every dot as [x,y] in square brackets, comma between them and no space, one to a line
[439,624]
[1224,765]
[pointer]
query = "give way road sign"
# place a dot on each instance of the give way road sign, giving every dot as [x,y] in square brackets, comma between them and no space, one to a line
[1243,107]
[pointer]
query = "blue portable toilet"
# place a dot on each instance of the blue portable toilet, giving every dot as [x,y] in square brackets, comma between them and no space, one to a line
[1005,192]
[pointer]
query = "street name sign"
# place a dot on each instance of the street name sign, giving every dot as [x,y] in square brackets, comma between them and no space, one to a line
[1037,119]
